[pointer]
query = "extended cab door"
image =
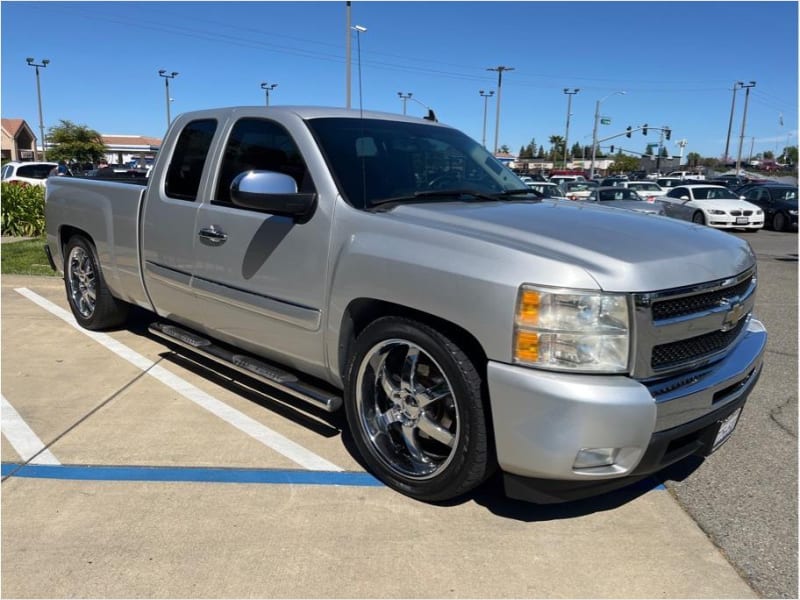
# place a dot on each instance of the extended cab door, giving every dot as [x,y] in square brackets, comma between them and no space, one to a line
[170,212]
[260,277]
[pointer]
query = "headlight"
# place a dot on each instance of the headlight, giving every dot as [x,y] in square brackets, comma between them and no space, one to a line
[571,330]
[714,211]
[793,212]
[758,212]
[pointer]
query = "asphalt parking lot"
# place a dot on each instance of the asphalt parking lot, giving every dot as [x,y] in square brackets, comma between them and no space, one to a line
[130,471]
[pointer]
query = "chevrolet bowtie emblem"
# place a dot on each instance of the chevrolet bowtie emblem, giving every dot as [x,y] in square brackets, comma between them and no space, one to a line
[733,316]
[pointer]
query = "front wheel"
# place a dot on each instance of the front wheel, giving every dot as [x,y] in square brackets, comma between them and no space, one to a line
[698,218]
[414,405]
[89,298]
[779,222]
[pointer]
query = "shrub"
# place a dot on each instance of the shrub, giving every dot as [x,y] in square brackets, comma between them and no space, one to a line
[22,210]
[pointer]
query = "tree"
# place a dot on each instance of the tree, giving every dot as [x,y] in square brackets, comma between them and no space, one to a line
[504,149]
[576,150]
[692,159]
[70,142]
[557,146]
[624,163]
[790,155]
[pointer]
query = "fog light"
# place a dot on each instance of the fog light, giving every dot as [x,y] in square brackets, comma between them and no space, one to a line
[595,457]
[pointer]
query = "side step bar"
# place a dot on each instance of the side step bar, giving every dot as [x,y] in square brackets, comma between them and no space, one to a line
[258,369]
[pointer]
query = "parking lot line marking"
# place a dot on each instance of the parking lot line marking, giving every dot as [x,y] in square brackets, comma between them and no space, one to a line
[190,474]
[274,440]
[25,442]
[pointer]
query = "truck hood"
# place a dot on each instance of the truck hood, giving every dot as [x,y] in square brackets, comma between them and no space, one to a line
[623,251]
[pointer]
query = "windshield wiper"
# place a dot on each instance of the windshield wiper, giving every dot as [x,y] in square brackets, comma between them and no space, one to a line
[455,194]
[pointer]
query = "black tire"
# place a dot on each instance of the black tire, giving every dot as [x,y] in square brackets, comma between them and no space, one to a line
[698,218]
[779,221]
[414,405]
[88,295]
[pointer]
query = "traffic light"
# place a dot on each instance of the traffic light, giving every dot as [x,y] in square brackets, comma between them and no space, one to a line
[612,149]
[629,131]
[644,129]
[667,133]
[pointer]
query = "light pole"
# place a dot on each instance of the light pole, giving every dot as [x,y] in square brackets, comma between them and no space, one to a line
[43,64]
[404,98]
[744,122]
[570,94]
[268,88]
[167,77]
[499,70]
[348,51]
[594,131]
[359,29]
[736,86]
[485,97]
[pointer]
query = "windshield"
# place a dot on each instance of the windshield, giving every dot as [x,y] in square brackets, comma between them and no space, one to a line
[620,194]
[711,193]
[547,190]
[375,160]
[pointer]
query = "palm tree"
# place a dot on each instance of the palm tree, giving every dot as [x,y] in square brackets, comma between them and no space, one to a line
[557,143]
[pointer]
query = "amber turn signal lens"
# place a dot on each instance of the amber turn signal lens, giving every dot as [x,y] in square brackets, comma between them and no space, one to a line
[527,349]
[528,313]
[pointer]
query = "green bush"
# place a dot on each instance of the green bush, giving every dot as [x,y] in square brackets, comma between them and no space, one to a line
[22,210]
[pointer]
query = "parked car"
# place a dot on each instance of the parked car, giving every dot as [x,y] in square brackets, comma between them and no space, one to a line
[697,175]
[559,179]
[613,181]
[729,180]
[27,173]
[546,189]
[621,197]
[668,182]
[575,190]
[779,202]
[713,205]
[648,190]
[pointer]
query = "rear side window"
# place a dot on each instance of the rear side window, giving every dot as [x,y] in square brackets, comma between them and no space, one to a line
[260,145]
[34,171]
[189,158]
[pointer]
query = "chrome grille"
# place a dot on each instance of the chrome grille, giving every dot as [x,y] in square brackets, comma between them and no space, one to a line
[676,353]
[677,307]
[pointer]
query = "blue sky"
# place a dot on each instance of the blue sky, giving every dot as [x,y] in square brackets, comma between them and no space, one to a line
[676,61]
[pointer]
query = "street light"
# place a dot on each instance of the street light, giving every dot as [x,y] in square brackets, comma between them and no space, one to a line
[570,94]
[736,86]
[43,64]
[499,70]
[594,131]
[167,77]
[359,29]
[267,88]
[744,121]
[404,98]
[485,97]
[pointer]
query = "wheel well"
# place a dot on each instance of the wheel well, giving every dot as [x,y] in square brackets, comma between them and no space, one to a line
[66,232]
[363,311]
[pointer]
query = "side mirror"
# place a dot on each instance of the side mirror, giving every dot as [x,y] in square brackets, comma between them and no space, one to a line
[271,192]
[742,198]
[685,198]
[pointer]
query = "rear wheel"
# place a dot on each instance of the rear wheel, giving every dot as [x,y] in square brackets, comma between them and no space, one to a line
[779,222]
[89,298]
[414,405]
[698,218]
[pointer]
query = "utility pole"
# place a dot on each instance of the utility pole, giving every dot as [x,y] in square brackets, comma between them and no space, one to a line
[744,122]
[167,77]
[730,121]
[348,49]
[660,146]
[499,70]
[485,97]
[570,94]
[43,64]
[268,88]
[404,98]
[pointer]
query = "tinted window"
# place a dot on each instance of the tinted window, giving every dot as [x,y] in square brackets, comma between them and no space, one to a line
[34,171]
[189,158]
[7,170]
[785,194]
[620,194]
[678,192]
[260,145]
[709,193]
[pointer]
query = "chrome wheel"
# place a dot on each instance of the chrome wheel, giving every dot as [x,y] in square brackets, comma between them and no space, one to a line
[407,409]
[82,281]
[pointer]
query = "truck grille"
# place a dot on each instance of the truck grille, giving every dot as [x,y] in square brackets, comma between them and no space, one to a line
[681,329]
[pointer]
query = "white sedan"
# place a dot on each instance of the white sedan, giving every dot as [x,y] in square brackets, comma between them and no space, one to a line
[712,205]
[27,173]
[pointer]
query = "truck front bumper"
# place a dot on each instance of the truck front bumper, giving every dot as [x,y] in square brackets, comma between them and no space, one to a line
[546,423]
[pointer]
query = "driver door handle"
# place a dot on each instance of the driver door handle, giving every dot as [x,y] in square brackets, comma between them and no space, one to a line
[213,235]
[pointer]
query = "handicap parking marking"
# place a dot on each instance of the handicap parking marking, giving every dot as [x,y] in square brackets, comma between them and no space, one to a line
[23,439]
[261,433]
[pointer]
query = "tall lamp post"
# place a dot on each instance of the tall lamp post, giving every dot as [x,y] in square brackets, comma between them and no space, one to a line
[267,87]
[736,86]
[485,97]
[499,70]
[404,98]
[359,29]
[43,64]
[594,131]
[744,121]
[167,77]
[570,93]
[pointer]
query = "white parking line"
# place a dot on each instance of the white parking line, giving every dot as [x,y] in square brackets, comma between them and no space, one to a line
[26,443]
[274,440]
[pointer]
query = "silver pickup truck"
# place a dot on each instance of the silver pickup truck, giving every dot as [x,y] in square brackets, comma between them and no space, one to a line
[391,265]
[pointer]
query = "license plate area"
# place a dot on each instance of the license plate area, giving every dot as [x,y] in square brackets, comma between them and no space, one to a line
[726,427]
[742,220]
